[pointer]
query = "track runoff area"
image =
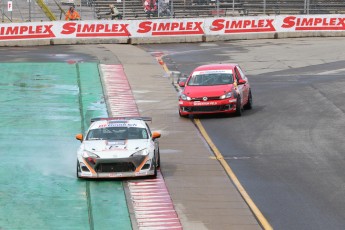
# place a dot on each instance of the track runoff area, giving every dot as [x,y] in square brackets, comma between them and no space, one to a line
[43,106]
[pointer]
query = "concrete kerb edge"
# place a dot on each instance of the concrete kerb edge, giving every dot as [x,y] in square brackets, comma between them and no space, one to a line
[77,41]
[104,89]
[35,42]
[310,34]
[171,39]
[130,208]
[248,36]
[65,41]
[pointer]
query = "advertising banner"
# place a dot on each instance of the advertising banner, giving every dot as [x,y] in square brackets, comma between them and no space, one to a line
[59,29]
[273,24]
[164,28]
[168,27]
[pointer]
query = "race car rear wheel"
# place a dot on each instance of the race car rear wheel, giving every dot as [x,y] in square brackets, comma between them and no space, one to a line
[238,107]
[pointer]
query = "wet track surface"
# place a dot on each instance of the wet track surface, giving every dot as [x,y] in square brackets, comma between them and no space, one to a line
[288,151]
[48,95]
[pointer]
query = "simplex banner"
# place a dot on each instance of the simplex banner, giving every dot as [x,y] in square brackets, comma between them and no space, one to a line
[59,29]
[170,27]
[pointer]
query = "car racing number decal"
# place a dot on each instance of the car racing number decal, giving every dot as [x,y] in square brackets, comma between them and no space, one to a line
[115,174]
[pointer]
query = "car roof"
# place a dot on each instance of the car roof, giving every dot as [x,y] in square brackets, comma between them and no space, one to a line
[215,67]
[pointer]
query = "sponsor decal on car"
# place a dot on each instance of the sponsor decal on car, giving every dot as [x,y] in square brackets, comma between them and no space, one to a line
[140,173]
[211,72]
[116,142]
[118,125]
[115,175]
[88,174]
[122,125]
[205,103]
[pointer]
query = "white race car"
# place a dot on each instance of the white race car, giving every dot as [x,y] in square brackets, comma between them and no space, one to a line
[118,147]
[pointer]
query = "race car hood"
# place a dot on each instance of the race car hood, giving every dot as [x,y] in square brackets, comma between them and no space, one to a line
[115,149]
[207,91]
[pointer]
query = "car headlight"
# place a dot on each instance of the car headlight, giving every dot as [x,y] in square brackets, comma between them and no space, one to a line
[87,154]
[142,152]
[185,98]
[227,95]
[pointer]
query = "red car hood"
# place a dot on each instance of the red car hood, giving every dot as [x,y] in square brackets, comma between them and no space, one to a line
[207,91]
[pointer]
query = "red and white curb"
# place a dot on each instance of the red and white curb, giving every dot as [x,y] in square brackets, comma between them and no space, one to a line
[153,207]
[119,93]
[152,204]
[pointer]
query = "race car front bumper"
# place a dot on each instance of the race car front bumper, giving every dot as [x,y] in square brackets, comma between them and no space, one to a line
[115,168]
[207,107]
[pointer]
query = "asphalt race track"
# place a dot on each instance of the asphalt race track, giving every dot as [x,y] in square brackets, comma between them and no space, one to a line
[288,151]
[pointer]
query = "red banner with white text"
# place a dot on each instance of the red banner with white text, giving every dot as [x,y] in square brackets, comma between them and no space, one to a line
[171,27]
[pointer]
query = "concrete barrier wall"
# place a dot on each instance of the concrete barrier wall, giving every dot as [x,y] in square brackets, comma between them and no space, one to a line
[170,30]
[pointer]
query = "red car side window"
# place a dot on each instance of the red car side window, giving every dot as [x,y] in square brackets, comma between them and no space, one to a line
[243,76]
[238,75]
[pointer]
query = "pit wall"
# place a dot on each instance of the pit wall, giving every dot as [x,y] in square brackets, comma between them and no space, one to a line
[170,30]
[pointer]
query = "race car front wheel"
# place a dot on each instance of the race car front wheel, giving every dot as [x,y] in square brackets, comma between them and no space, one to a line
[158,159]
[238,107]
[78,169]
[249,104]
[155,166]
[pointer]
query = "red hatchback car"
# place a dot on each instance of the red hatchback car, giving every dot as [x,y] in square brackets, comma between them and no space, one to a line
[215,88]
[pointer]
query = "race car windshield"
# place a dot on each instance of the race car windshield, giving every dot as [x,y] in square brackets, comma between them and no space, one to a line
[211,79]
[117,133]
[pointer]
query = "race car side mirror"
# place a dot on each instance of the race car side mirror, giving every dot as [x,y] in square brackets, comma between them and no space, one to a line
[155,135]
[79,137]
[182,83]
[241,82]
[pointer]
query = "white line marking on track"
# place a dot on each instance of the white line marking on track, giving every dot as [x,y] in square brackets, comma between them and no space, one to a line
[336,71]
